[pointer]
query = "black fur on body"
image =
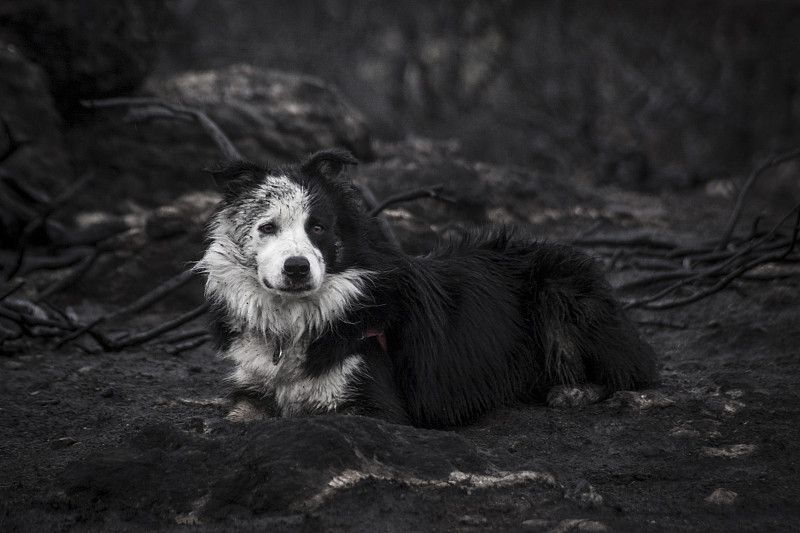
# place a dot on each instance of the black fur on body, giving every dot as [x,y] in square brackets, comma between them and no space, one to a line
[434,341]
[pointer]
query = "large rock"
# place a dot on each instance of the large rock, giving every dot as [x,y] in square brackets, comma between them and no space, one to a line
[283,471]
[150,159]
[472,194]
[271,114]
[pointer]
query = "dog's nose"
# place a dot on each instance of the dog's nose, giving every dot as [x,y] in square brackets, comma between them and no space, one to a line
[296,268]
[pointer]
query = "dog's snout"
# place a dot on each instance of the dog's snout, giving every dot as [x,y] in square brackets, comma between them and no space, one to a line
[297,268]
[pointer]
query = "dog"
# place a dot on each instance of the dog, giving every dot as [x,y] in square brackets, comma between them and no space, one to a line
[320,312]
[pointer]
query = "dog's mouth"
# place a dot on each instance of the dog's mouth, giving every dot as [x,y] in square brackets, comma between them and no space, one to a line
[295,290]
[285,286]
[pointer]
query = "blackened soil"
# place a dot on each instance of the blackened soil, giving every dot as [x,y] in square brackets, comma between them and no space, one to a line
[137,441]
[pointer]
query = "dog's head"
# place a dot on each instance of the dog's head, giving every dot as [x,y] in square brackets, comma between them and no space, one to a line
[288,225]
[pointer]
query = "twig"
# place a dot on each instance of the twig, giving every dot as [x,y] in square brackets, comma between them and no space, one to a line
[188,345]
[26,319]
[145,336]
[740,262]
[13,143]
[80,331]
[646,241]
[682,273]
[229,151]
[11,289]
[371,202]
[41,220]
[185,335]
[155,295]
[26,192]
[734,218]
[584,232]
[426,192]
[74,275]
[721,284]
[370,199]
[141,303]
[52,262]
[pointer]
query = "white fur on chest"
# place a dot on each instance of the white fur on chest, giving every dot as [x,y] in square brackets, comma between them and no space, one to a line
[294,391]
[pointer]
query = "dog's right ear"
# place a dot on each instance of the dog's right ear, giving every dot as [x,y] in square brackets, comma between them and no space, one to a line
[235,177]
[327,163]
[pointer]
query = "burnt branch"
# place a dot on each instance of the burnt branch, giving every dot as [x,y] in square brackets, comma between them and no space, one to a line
[157,108]
[723,269]
[434,192]
[141,338]
[737,209]
[160,292]
[72,277]
[142,303]
[12,142]
[42,220]
[11,289]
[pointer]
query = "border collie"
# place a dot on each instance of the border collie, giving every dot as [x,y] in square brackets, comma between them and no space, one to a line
[321,313]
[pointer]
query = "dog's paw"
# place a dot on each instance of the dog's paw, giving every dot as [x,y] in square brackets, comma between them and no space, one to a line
[576,395]
[245,410]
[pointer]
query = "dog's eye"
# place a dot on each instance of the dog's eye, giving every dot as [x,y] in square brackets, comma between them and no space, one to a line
[318,228]
[268,228]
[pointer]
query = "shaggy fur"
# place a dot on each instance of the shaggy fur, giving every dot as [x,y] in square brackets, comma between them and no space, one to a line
[320,313]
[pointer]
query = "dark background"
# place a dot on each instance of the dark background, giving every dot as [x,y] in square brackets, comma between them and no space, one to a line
[680,91]
[656,94]
[627,128]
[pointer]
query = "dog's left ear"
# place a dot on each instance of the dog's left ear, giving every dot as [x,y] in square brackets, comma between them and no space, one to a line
[328,163]
[234,177]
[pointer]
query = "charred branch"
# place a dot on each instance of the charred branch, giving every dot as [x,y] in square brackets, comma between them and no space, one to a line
[145,108]
[737,209]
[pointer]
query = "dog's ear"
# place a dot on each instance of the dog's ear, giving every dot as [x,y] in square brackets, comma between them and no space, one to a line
[328,163]
[235,177]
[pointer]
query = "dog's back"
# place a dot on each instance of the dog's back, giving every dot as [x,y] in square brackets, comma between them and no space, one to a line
[492,318]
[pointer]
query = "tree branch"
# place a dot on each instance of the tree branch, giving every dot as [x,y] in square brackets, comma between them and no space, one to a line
[163,108]
[734,218]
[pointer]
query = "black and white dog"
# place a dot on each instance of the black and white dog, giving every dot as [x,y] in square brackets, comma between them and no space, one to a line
[321,313]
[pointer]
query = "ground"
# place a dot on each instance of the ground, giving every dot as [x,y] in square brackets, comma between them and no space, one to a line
[625,130]
[136,441]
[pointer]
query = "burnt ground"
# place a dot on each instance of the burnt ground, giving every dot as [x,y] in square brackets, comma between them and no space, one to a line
[627,130]
[135,440]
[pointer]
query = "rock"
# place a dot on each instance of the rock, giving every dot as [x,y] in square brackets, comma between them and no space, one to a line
[91,48]
[281,467]
[583,493]
[722,497]
[270,114]
[270,117]
[474,194]
[564,526]
[733,451]
[63,442]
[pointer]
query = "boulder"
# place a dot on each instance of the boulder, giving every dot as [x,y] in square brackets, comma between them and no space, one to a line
[290,469]
[472,194]
[270,114]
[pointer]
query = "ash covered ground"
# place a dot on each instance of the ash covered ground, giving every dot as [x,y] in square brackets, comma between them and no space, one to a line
[626,131]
